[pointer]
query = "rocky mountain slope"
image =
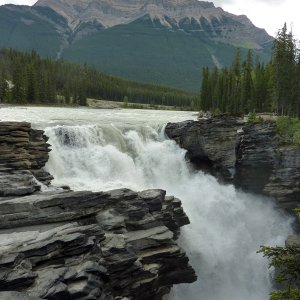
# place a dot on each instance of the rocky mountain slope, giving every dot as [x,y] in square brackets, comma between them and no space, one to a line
[189,15]
[163,41]
[60,244]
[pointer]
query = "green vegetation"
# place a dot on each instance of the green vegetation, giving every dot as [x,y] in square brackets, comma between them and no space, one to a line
[27,78]
[286,261]
[26,29]
[251,86]
[149,52]
[254,119]
[289,130]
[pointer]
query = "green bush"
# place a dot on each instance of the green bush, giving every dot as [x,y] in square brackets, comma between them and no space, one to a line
[289,130]
[254,119]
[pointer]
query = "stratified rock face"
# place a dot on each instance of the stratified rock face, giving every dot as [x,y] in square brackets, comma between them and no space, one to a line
[84,245]
[115,12]
[210,142]
[185,14]
[81,245]
[23,154]
[264,166]
[284,182]
[252,154]
[256,156]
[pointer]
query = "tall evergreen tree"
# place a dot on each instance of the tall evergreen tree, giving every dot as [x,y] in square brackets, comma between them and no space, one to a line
[32,85]
[19,84]
[283,61]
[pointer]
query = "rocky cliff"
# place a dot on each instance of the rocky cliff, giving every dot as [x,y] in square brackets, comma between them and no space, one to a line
[61,244]
[250,156]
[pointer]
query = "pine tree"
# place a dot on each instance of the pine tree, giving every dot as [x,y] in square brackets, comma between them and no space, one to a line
[283,60]
[19,85]
[4,88]
[247,90]
[32,85]
[205,90]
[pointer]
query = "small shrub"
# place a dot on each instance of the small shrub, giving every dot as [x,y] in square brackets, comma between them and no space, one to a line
[254,119]
[289,130]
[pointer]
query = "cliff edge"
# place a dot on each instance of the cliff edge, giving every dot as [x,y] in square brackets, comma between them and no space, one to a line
[248,155]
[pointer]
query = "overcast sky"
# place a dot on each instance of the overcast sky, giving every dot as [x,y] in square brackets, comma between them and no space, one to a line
[268,14]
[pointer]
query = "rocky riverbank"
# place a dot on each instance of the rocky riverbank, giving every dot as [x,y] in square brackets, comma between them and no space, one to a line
[250,156]
[62,244]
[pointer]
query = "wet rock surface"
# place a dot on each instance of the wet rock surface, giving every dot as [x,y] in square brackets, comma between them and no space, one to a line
[62,244]
[250,156]
[83,245]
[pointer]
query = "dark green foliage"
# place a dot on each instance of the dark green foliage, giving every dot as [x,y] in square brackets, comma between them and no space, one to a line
[237,90]
[286,261]
[255,87]
[37,80]
[284,63]
[4,89]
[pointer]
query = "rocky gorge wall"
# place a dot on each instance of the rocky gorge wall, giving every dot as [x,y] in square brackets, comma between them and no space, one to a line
[250,156]
[60,244]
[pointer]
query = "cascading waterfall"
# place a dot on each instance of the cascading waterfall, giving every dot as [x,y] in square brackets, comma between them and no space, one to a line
[227,226]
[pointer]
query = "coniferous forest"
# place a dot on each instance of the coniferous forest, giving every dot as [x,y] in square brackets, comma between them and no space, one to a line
[251,86]
[247,86]
[26,78]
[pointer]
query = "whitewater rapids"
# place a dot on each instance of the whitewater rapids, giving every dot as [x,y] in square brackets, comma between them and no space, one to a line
[102,150]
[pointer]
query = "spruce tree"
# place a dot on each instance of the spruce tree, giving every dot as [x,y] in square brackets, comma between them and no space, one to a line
[283,60]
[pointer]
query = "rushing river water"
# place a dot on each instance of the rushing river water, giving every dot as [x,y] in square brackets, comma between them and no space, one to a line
[107,149]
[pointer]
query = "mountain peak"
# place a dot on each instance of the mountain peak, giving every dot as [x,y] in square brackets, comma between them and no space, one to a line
[189,15]
[114,12]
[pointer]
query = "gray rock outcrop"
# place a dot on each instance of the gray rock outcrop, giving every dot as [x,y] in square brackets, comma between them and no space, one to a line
[210,143]
[61,244]
[84,245]
[250,156]
[190,15]
[23,154]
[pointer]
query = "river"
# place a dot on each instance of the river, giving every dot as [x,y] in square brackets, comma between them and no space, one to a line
[107,149]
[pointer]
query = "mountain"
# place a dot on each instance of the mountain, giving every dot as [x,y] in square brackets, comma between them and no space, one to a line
[162,41]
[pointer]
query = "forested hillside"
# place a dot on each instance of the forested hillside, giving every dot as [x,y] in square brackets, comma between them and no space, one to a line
[251,86]
[163,42]
[28,78]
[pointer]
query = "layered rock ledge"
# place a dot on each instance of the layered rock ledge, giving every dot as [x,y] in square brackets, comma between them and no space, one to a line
[61,244]
[250,156]
[23,154]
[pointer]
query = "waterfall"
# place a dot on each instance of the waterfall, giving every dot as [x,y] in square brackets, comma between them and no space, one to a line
[227,226]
